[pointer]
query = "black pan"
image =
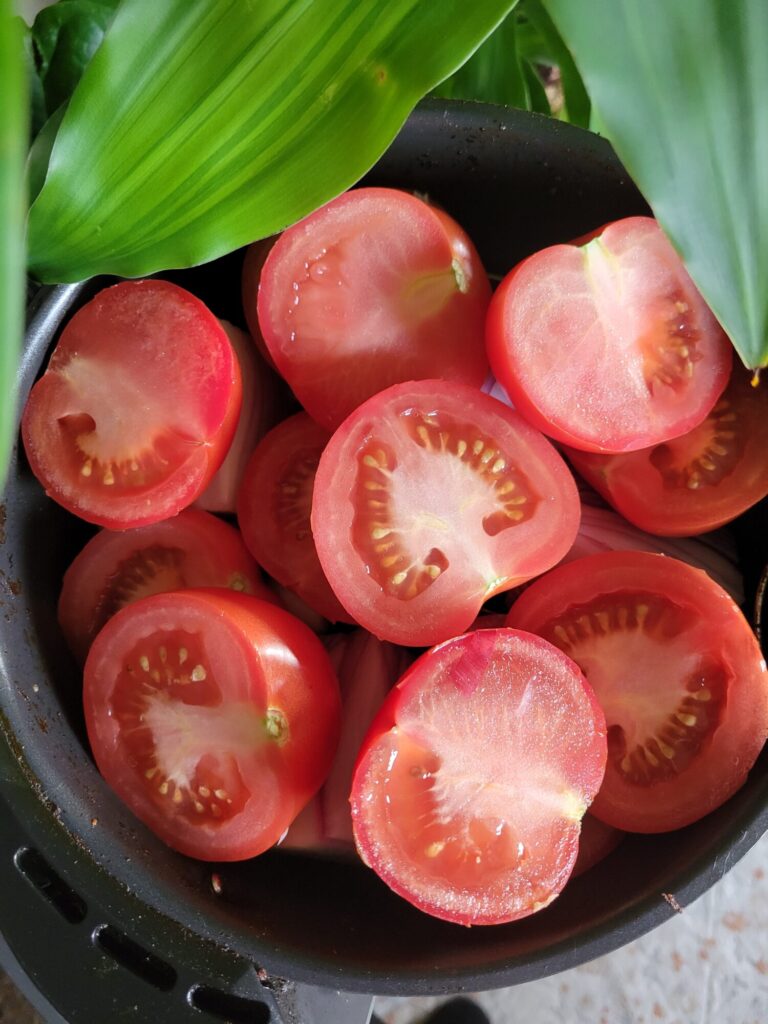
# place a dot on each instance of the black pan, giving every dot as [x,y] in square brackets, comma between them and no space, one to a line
[100,916]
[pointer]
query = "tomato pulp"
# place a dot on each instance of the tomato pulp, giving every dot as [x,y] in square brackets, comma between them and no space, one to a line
[608,346]
[678,673]
[429,499]
[137,407]
[471,785]
[697,482]
[194,549]
[374,288]
[214,716]
[273,510]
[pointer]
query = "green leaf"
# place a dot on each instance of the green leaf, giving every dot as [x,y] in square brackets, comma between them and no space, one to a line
[40,153]
[36,98]
[493,74]
[13,144]
[198,127]
[681,86]
[66,36]
[577,105]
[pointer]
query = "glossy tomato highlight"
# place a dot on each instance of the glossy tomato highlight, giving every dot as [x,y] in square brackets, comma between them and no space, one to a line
[608,346]
[114,569]
[471,785]
[429,499]
[214,716]
[697,482]
[374,288]
[677,671]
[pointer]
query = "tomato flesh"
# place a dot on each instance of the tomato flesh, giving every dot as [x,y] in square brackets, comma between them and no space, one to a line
[137,407]
[608,346]
[194,549]
[431,498]
[696,482]
[213,716]
[273,510]
[677,671]
[469,791]
[374,288]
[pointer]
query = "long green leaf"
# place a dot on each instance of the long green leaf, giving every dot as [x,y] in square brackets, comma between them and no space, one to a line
[13,140]
[494,73]
[200,125]
[682,87]
[65,36]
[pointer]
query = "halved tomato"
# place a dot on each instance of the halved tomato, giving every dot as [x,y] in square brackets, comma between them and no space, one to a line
[214,716]
[374,288]
[429,499]
[137,408]
[696,482]
[608,346]
[471,785]
[678,673]
[273,510]
[194,549]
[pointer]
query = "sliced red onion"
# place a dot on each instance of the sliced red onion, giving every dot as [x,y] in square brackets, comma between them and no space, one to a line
[260,412]
[602,529]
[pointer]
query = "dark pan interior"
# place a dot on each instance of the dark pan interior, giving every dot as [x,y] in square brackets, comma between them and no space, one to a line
[516,182]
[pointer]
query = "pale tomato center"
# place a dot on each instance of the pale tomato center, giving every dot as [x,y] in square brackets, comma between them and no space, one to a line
[663,695]
[453,487]
[186,743]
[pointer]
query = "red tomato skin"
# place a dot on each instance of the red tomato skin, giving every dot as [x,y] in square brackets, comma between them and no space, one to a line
[290,559]
[425,621]
[213,554]
[720,771]
[596,842]
[636,488]
[130,311]
[607,438]
[589,773]
[435,347]
[289,669]
[255,256]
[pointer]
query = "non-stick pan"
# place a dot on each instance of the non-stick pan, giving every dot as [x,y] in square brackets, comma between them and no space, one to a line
[101,918]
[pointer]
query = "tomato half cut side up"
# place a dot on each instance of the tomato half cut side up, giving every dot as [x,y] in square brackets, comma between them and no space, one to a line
[608,346]
[194,549]
[678,673]
[374,288]
[214,716]
[471,785]
[137,407]
[429,499]
[696,482]
[273,511]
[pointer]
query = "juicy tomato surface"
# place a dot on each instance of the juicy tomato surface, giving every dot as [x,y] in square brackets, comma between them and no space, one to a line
[471,785]
[214,716]
[137,407]
[273,510]
[696,482]
[194,549]
[259,413]
[608,346]
[429,499]
[375,288]
[678,673]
